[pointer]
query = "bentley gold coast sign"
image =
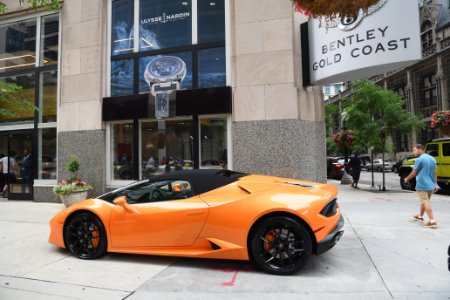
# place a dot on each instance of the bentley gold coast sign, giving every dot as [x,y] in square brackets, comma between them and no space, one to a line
[385,38]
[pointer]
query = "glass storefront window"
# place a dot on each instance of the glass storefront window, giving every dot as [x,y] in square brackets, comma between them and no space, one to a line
[47,100]
[122,77]
[122,151]
[145,61]
[164,24]
[213,135]
[167,146]
[211,68]
[21,110]
[47,154]
[19,50]
[49,40]
[211,21]
[122,30]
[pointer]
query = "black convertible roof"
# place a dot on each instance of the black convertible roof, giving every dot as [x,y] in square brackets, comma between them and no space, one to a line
[202,181]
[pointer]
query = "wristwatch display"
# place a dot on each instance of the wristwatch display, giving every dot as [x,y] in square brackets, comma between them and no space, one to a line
[165,73]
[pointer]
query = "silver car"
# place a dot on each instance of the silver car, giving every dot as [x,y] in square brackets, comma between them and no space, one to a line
[378,165]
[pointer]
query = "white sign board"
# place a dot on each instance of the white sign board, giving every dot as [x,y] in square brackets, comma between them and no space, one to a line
[385,38]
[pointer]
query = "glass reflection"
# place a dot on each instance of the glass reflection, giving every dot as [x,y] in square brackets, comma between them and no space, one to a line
[49,39]
[18,45]
[213,143]
[122,35]
[167,146]
[211,68]
[122,147]
[47,99]
[211,21]
[47,154]
[122,77]
[21,110]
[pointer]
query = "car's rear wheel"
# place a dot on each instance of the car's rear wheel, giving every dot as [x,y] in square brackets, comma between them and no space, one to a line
[85,236]
[280,245]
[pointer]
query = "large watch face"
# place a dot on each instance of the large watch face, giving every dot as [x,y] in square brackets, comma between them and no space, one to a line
[166,67]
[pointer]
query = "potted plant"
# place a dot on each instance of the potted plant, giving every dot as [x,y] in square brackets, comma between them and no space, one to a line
[343,138]
[72,189]
[441,120]
[330,10]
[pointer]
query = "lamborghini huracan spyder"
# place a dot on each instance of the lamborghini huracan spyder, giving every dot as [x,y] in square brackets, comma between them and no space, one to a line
[276,222]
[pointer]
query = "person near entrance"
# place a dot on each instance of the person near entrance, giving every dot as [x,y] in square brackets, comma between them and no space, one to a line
[8,164]
[25,164]
[426,179]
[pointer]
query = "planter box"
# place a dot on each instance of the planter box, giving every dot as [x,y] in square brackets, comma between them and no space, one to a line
[71,198]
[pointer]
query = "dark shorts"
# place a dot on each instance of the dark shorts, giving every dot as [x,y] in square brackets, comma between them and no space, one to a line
[9,178]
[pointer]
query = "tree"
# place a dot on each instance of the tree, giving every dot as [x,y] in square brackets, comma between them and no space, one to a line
[374,114]
[11,102]
[48,4]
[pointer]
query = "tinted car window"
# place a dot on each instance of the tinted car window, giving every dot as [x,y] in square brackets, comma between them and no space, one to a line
[432,149]
[154,191]
[446,149]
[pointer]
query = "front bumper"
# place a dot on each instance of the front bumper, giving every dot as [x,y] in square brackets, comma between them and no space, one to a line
[331,239]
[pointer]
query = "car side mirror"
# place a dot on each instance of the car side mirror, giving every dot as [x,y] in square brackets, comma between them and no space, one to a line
[122,202]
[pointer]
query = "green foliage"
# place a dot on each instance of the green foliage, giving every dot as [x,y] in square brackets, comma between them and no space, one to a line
[73,183]
[73,165]
[375,113]
[331,113]
[64,189]
[11,101]
[47,4]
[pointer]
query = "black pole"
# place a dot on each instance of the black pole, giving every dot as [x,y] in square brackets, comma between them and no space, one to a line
[371,163]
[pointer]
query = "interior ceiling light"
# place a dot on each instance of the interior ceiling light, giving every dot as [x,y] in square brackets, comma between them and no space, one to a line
[20,65]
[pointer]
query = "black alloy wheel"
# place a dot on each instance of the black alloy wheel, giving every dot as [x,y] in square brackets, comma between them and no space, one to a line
[280,245]
[85,236]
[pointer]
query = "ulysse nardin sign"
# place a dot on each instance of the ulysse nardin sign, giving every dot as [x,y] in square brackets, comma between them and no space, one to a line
[384,38]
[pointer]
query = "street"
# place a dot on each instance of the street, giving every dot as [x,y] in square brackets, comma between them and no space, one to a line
[392,180]
[382,255]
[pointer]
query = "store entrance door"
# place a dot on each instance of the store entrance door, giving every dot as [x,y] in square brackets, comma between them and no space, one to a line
[20,169]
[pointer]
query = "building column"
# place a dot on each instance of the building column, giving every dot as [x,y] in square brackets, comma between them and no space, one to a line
[442,84]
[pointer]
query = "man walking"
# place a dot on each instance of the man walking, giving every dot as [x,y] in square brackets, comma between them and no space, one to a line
[425,171]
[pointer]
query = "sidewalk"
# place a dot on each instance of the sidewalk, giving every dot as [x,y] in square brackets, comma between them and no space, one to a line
[382,255]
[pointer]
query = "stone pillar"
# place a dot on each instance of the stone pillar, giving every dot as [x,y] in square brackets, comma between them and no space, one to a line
[80,128]
[278,126]
[441,80]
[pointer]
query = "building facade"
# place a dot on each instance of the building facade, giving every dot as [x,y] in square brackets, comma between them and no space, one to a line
[425,85]
[136,88]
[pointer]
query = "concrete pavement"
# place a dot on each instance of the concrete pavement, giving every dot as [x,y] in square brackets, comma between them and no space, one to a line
[382,255]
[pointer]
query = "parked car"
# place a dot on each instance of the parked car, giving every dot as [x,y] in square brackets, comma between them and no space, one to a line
[440,150]
[365,160]
[207,214]
[335,168]
[378,165]
[396,167]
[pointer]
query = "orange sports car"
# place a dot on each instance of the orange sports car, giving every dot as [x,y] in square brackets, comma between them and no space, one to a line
[276,222]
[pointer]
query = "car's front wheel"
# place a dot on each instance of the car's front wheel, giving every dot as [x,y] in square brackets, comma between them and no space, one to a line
[85,236]
[280,245]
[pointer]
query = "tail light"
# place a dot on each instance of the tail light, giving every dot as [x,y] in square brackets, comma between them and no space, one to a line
[330,209]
